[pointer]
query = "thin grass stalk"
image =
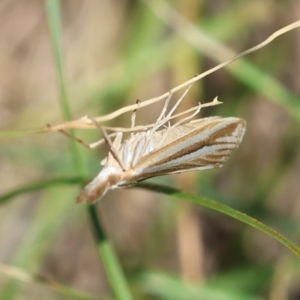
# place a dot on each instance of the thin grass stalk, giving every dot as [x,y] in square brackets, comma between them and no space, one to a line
[110,259]
[106,251]
[53,12]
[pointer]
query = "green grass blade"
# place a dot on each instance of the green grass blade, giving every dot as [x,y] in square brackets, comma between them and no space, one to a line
[209,203]
[169,287]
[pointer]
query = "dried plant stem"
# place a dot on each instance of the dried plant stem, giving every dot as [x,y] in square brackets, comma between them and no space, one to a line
[189,32]
[132,107]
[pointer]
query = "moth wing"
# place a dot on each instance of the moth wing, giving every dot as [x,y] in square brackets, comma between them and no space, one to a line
[166,136]
[200,144]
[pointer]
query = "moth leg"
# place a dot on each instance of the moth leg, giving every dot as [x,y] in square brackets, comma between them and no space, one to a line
[157,124]
[184,120]
[133,116]
[168,128]
[169,115]
[179,101]
[101,141]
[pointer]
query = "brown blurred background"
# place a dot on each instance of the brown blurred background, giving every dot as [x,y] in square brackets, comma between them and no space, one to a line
[116,52]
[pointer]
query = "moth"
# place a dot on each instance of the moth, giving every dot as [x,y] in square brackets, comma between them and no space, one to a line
[164,149]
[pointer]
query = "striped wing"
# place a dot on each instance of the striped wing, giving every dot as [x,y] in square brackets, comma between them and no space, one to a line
[197,145]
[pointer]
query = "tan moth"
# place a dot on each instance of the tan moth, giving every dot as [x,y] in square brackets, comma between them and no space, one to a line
[187,145]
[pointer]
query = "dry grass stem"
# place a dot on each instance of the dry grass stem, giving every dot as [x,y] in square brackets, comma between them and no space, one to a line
[85,123]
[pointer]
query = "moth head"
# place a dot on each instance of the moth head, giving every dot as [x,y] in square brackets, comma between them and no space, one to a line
[97,188]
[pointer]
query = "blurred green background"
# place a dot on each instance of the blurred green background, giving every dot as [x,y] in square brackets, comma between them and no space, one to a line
[116,52]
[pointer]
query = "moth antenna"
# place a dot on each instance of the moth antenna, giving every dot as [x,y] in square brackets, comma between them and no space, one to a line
[89,146]
[107,139]
[73,137]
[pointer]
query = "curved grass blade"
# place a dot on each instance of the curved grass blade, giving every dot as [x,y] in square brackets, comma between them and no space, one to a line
[209,203]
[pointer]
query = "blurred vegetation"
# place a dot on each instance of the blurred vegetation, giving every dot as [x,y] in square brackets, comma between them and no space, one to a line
[114,53]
